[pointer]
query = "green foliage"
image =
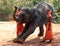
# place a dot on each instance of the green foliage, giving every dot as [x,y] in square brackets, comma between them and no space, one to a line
[7,6]
[56,4]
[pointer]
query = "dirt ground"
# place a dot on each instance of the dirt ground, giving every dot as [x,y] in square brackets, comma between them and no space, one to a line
[8,32]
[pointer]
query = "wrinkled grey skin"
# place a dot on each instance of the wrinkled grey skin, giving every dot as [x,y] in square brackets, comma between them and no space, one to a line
[33,17]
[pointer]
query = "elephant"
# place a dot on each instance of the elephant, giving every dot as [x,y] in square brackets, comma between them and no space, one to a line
[32,17]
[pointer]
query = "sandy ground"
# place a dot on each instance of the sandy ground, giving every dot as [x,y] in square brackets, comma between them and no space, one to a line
[8,32]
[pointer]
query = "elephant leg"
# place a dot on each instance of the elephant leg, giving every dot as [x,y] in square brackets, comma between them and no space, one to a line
[30,30]
[41,31]
[22,33]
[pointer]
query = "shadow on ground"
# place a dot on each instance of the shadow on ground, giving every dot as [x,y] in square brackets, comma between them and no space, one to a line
[34,42]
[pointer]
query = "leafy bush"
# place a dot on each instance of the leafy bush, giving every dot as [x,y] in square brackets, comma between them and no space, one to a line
[7,6]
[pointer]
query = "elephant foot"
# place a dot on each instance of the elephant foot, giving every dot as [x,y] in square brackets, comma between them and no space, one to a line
[16,40]
[40,34]
[20,41]
[43,41]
